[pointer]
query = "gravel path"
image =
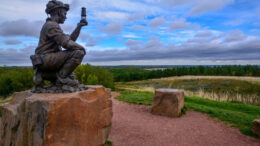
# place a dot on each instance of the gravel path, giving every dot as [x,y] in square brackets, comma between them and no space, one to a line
[133,125]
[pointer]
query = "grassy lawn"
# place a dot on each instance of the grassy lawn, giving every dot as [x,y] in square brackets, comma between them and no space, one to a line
[239,115]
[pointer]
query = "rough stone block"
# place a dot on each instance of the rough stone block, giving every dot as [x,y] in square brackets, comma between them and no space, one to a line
[168,102]
[256,127]
[73,119]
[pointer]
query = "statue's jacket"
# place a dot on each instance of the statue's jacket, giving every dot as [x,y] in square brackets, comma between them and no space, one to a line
[52,38]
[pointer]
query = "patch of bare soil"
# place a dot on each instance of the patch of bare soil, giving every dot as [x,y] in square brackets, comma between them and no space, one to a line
[134,125]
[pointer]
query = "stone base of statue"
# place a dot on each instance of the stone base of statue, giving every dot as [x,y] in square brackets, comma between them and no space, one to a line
[168,102]
[58,88]
[68,119]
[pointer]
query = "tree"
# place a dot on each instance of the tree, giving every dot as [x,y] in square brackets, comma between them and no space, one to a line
[92,80]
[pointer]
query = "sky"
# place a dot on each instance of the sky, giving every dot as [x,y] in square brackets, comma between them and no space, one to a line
[141,32]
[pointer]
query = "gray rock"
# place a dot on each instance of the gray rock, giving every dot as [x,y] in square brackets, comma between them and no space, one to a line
[53,88]
[68,88]
[81,86]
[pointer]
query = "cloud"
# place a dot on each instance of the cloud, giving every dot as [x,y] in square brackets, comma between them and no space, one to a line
[195,6]
[133,44]
[156,22]
[136,16]
[234,36]
[21,9]
[179,24]
[138,27]
[197,49]
[68,28]
[130,6]
[12,42]
[209,5]
[204,34]
[110,16]
[113,28]
[130,35]
[85,37]
[21,27]
[16,57]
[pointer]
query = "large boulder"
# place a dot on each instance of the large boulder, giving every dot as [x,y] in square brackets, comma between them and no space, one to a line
[256,127]
[168,102]
[70,119]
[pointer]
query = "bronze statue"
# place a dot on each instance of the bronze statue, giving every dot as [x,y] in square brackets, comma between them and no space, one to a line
[50,62]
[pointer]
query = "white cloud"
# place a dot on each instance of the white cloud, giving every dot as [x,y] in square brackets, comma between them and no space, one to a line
[204,34]
[136,16]
[138,27]
[195,6]
[91,41]
[16,57]
[209,5]
[179,24]
[156,22]
[113,28]
[132,43]
[110,16]
[22,9]
[234,36]
[211,49]
[21,27]
[130,35]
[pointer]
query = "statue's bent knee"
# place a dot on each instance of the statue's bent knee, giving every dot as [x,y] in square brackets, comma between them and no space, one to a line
[78,53]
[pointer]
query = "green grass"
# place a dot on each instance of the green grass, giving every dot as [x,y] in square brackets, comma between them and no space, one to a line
[224,89]
[136,97]
[109,143]
[239,115]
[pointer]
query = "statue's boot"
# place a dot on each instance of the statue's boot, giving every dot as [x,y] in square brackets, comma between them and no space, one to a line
[72,76]
[63,76]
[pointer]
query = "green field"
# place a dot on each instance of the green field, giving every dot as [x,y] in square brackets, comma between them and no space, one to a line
[240,90]
[239,115]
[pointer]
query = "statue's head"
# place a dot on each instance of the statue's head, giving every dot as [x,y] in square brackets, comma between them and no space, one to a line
[57,9]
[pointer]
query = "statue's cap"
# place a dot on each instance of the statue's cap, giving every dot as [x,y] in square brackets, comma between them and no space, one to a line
[54,4]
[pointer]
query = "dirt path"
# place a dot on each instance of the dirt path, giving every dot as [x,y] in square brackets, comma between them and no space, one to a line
[133,125]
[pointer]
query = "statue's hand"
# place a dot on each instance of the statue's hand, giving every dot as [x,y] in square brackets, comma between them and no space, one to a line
[82,23]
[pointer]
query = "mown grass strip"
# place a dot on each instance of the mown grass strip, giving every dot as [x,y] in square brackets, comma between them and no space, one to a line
[239,115]
[238,107]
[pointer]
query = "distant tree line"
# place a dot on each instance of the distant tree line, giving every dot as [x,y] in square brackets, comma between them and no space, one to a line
[20,79]
[133,74]
[15,79]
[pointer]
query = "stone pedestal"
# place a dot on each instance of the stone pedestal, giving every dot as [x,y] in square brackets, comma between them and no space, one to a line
[256,127]
[68,119]
[168,102]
